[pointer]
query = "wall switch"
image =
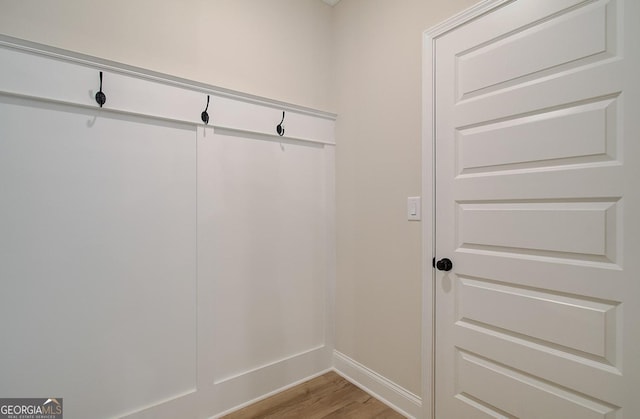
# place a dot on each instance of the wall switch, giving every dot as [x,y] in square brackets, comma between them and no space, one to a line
[413,208]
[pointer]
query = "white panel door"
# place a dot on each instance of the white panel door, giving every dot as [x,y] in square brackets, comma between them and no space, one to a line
[537,203]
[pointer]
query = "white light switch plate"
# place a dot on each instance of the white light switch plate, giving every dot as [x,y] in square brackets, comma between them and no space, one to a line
[413,208]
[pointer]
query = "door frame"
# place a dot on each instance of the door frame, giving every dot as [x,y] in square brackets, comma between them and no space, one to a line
[429,38]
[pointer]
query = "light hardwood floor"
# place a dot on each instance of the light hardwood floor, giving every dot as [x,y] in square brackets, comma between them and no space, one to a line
[327,396]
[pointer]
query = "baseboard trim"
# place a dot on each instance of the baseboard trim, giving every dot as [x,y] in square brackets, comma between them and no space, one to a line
[269,365]
[232,393]
[398,398]
[271,393]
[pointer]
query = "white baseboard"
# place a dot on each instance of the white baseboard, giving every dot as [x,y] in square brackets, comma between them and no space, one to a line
[272,393]
[398,398]
[228,394]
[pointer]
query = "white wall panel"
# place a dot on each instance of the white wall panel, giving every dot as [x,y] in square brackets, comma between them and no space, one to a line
[150,265]
[267,250]
[97,258]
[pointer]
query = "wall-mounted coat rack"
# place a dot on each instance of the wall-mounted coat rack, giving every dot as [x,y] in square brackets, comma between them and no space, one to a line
[69,80]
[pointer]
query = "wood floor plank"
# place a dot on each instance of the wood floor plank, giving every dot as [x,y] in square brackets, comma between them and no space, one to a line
[328,396]
[371,408]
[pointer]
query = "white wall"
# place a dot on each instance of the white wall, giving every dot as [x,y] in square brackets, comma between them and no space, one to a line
[277,48]
[377,95]
[361,59]
[149,261]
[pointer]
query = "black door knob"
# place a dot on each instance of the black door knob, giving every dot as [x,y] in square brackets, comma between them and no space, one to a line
[444,264]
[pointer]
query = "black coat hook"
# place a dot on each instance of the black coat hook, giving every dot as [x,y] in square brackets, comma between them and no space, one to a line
[204,115]
[101,98]
[280,127]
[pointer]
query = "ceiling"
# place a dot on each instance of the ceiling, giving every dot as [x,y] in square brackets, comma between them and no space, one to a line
[331,2]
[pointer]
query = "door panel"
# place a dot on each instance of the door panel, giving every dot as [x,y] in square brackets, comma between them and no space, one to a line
[537,141]
[477,68]
[536,156]
[569,230]
[493,384]
[592,322]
